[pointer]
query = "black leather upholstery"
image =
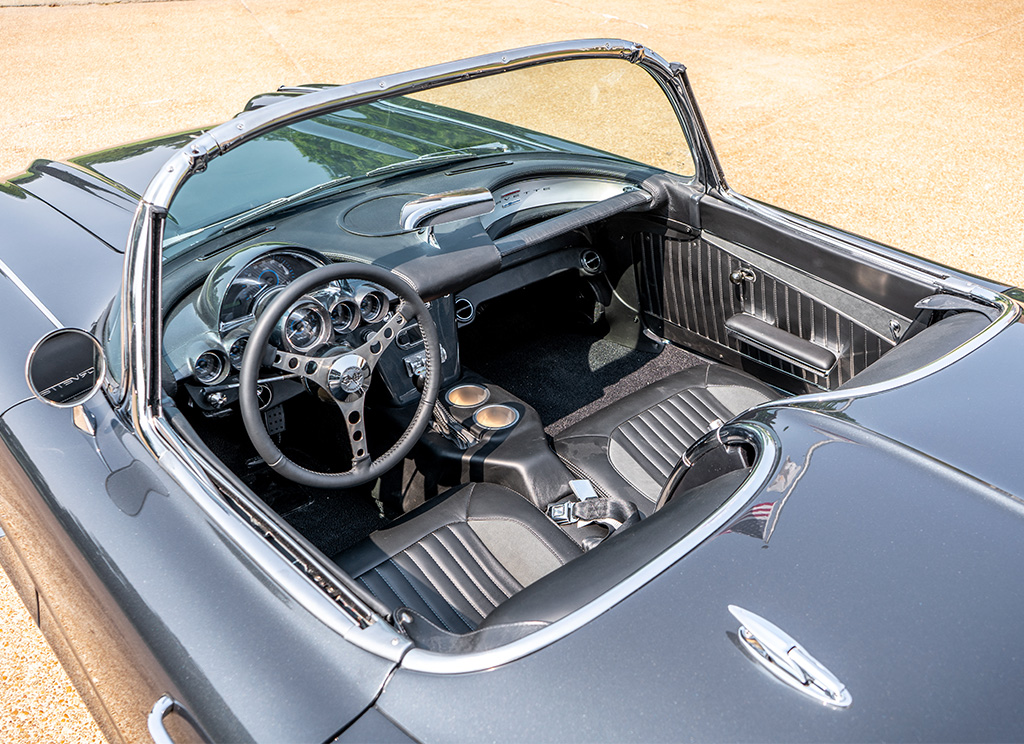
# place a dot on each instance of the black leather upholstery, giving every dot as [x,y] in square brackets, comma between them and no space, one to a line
[628,449]
[457,557]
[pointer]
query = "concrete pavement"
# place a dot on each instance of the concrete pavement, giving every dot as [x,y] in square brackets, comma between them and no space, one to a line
[900,121]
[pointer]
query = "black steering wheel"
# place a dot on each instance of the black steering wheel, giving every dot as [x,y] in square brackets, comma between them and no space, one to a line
[343,373]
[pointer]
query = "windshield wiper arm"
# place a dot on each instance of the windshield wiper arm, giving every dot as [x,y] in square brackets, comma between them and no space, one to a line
[443,156]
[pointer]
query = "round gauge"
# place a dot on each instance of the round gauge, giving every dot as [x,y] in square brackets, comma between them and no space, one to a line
[345,316]
[306,325]
[259,279]
[209,367]
[237,349]
[373,306]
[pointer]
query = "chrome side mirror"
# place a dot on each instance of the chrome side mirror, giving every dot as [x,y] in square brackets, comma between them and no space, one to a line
[65,368]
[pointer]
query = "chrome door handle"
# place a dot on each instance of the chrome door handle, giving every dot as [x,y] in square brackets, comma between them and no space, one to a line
[781,655]
[163,708]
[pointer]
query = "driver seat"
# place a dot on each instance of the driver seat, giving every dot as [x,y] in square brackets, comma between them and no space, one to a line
[457,557]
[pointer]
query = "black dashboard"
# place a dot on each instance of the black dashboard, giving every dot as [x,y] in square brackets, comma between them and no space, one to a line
[214,294]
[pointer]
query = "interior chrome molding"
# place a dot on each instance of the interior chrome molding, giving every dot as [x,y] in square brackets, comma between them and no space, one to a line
[1009,313]
[760,436]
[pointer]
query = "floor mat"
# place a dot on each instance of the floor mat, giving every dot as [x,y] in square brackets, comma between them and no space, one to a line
[568,376]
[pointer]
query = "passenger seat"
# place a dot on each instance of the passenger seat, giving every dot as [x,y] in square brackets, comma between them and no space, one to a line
[628,449]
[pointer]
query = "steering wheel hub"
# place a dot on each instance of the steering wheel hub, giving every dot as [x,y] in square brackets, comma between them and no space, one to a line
[349,375]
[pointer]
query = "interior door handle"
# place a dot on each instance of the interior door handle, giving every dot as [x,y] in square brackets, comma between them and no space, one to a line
[163,708]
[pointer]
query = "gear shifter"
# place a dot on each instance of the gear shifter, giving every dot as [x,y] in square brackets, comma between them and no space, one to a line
[446,425]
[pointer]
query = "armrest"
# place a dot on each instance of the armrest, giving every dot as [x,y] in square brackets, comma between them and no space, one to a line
[782,344]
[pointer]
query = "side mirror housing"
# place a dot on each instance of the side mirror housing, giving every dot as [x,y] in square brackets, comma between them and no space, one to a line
[65,368]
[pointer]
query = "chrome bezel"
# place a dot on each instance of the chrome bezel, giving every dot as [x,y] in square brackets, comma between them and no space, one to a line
[99,373]
[222,373]
[229,343]
[326,325]
[482,411]
[356,315]
[371,291]
[464,386]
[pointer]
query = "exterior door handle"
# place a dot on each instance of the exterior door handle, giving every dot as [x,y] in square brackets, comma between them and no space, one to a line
[163,708]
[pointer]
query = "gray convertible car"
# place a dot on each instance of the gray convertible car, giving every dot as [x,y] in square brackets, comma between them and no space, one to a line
[471,403]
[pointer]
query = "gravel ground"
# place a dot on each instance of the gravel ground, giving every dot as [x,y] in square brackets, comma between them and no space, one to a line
[900,121]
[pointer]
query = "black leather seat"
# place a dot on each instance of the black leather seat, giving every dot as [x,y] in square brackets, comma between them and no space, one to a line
[628,449]
[460,555]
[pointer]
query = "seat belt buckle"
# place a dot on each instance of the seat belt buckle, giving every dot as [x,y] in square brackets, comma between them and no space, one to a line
[564,513]
[583,489]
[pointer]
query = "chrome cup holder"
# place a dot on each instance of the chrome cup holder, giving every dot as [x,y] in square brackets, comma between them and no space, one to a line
[495,417]
[469,395]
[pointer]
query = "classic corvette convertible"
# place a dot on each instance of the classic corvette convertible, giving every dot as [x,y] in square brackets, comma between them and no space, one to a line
[471,403]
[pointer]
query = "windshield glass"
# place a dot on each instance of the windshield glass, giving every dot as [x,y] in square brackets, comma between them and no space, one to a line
[602,108]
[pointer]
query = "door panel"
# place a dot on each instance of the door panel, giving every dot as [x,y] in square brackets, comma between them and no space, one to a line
[833,301]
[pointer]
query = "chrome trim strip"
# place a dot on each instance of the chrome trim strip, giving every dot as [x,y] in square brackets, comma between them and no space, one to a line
[250,124]
[9,273]
[419,660]
[1010,312]
[863,249]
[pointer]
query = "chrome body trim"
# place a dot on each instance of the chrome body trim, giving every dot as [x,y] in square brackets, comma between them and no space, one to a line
[163,707]
[779,653]
[249,124]
[16,280]
[760,436]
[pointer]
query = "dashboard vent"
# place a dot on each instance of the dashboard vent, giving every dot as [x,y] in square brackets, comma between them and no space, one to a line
[590,262]
[465,312]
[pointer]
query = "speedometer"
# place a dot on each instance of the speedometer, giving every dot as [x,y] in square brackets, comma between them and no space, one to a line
[257,279]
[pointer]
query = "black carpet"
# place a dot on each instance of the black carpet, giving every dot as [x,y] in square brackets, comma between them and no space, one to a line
[564,375]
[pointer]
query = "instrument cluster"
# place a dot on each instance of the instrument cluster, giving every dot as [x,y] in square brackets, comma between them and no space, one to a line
[342,313]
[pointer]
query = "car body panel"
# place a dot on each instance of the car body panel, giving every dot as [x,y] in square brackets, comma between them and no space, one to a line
[72,272]
[888,550]
[108,537]
[962,415]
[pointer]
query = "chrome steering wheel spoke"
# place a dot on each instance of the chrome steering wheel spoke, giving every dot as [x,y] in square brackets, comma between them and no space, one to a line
[343,373]
[352,409]
[311,368]
[378,343]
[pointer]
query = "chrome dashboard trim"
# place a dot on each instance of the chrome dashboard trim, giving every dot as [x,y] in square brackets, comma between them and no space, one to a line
[431,662]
